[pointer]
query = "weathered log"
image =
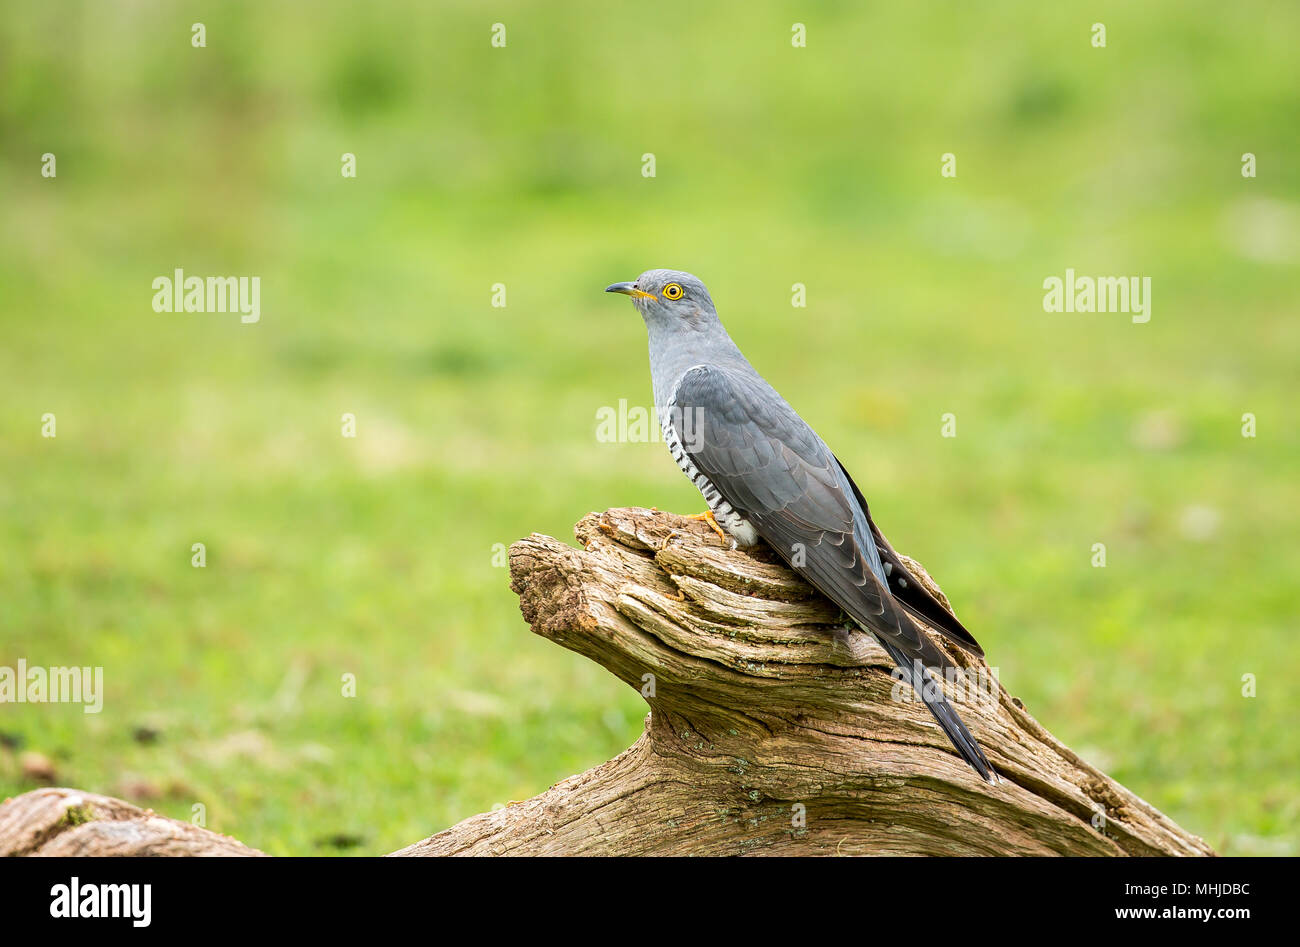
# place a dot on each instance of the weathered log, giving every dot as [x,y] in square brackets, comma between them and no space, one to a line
[71,822]
[775,728]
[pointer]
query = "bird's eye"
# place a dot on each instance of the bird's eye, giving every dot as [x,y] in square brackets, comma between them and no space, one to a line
[673,291]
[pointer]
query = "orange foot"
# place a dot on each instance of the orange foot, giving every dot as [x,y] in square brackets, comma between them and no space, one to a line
[709,518]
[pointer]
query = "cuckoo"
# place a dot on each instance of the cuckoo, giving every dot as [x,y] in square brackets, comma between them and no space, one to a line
[766,476]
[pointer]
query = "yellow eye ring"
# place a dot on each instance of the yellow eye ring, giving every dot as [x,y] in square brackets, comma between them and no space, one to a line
[673,291]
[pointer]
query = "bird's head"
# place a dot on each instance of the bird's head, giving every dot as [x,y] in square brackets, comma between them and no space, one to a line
[668,297]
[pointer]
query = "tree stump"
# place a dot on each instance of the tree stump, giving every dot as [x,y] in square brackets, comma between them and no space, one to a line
[775,728]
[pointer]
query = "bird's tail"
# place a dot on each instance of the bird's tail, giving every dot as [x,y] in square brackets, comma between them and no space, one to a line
[943,711]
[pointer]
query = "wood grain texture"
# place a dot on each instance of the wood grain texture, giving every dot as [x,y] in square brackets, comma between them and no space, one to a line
[57,821]
[774,729]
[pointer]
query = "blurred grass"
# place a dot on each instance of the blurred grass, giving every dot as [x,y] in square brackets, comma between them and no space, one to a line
[374,556]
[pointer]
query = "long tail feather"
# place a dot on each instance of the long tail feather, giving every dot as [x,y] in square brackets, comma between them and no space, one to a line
[944,713]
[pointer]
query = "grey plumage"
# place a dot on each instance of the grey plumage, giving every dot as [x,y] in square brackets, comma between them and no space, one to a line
[767,475]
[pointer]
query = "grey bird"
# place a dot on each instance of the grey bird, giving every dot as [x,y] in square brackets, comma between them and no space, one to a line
[766,475]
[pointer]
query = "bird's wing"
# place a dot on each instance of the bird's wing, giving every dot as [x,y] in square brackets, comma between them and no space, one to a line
[770,465]
[773,468]
[904,587]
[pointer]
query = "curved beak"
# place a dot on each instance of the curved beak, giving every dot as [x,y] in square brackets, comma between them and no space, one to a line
[628,289]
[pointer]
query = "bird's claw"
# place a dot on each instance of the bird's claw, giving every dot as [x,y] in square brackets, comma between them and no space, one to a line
[708,517]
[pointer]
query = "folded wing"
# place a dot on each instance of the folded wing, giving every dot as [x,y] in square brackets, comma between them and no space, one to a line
[774,469]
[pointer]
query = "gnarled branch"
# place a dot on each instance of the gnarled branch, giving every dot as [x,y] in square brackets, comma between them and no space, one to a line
[775,728]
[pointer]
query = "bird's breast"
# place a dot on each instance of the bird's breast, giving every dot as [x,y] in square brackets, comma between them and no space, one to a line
[729,518]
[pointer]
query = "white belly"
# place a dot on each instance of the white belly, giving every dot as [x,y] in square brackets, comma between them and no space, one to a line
[730,519]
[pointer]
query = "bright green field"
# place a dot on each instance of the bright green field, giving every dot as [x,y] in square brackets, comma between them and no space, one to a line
[476,165]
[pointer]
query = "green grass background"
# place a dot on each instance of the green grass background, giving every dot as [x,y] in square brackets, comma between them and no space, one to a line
[374,557]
